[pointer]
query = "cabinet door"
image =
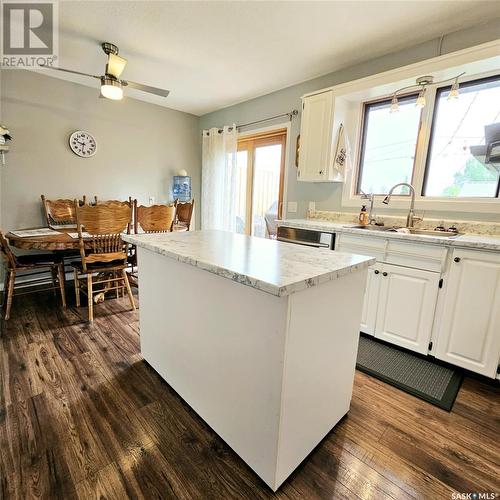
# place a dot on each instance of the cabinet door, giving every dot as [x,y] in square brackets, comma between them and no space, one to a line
[369,312]
[315,137]
[470,329]
[407,301]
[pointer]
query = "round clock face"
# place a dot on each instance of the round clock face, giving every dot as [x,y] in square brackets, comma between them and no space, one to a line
[82,144]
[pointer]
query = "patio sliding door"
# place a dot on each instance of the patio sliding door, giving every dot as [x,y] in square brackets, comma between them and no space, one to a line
[260,182]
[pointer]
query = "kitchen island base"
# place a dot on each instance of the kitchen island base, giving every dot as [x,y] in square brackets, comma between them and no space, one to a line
[270,375]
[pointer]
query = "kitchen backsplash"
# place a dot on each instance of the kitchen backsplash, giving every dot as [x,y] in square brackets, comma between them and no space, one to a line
[468,227]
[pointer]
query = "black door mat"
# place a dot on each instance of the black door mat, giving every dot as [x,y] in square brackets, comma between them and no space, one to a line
[419,377]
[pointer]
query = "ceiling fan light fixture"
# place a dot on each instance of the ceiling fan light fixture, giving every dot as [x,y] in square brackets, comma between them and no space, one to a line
[116,65]
[111,89]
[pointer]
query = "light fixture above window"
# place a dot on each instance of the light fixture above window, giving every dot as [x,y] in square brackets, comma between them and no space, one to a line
[394,104]
[454,90]
[420,103]
[421,85]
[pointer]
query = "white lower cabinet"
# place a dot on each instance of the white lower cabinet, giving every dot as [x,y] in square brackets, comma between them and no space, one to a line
[399,305]
[469,335]
[406,304]
[402,293]
[369,312]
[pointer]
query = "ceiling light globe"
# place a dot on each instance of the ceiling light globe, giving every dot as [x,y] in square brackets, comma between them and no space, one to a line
[111,89]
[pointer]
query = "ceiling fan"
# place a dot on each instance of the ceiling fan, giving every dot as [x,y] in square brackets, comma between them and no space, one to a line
[111,84]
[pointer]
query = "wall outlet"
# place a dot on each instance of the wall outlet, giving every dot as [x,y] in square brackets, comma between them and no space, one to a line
[292,207]
[151,200]
[312,205]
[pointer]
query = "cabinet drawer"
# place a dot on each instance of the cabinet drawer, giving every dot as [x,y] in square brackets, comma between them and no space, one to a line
[372,247]
[418,256]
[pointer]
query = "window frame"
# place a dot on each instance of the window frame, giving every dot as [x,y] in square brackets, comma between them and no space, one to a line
[435,105]
[363,133]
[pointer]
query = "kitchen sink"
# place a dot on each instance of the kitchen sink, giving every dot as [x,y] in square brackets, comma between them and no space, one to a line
[371,227]
[408,230]
[426,232]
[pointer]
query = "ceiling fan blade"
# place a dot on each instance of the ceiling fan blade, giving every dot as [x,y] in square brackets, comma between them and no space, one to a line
[146,88]
[116,65]
[69,71]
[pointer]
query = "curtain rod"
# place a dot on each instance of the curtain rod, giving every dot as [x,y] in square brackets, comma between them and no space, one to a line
[290,116]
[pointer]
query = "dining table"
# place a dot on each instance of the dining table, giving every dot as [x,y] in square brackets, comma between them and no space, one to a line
[52,238]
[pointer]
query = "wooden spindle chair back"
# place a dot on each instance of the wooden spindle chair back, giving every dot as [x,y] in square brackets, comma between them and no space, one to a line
[105,224]
[61,211]
[7,253]
[185,213]
[154,219]
[111,202]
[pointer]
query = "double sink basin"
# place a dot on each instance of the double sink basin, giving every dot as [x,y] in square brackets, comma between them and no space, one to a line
[408,230]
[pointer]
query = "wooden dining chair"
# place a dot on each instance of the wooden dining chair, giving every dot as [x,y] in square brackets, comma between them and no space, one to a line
[27,266]
[96,201]
[154,219]
[102,250]
[60,212]
[183,216]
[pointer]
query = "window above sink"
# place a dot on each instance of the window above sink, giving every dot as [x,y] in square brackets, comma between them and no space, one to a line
[461,182]
[458,128]
[390,143]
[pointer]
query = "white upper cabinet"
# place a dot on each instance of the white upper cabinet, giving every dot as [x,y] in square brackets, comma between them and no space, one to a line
[470,329]
[318,137]
[315,136]
[406,306]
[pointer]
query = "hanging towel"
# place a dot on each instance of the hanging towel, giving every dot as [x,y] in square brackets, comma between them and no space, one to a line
[342,160]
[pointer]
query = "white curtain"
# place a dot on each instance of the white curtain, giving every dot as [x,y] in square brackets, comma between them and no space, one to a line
[218,189]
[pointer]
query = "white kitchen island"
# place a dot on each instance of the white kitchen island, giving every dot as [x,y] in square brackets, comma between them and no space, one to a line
[259,337]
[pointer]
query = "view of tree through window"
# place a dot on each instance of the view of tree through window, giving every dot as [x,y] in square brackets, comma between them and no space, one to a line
[459,124]
[388,148]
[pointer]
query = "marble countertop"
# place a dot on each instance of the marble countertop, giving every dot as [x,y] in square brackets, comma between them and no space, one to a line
[268,265]
[477,241]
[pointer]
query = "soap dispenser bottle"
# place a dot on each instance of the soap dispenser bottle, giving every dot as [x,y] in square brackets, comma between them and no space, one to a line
[363,216]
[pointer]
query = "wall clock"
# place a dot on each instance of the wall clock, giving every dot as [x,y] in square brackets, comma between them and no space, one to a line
[82,144]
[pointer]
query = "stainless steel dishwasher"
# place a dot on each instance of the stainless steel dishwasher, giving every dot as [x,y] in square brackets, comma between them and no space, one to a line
[306,237]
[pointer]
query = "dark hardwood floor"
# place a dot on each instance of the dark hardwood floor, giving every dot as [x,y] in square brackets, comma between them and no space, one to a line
[81,415]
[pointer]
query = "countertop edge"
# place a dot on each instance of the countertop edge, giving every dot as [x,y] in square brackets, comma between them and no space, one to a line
[264,286]
[473,241]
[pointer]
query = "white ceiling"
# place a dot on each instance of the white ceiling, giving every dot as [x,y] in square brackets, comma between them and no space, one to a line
[214,54]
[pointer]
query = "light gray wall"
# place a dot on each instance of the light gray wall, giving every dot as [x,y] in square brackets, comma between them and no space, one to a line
[328,196]
[140,146]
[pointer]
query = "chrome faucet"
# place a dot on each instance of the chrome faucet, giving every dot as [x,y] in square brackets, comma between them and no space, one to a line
[411,218]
